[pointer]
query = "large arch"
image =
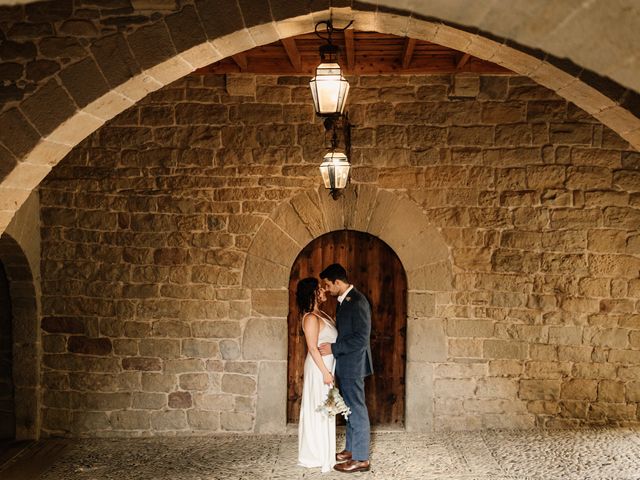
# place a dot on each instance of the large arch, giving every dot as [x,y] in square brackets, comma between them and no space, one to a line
[39,131]
[405,228]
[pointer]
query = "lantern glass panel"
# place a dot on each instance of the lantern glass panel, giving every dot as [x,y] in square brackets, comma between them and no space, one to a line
[335,170]
[329,89]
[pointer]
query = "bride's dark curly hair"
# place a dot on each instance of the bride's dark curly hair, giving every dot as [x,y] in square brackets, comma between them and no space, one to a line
[306,293]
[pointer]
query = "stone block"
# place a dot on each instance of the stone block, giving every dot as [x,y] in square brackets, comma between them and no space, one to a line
[194,381]
[142,363]
[286,218]
[214,402]
[193,347]
[465,86]
[273,244]
[539,389]
[265,339]
[426,340]
[491,387]
[149,401]
[611,391]
[385,207]
[84,81]
[130,420]
[89,422]
[432,277]
[159,382]
[455,388]
[468,136]
[229,349]
[261,273]
[180,400]
[579,389]
[216,329]
[271,303]
[272,390]
[421,304]
[238,384]
[549,370]
[470,328]
[104,401]
[202,420]
[161,348]
[565,335]
[574,354]
[607,337]
[460,370]
[16,133]
[168,420]
[151,45]
[504,349]
[420,397]
[234,421]
[49,107]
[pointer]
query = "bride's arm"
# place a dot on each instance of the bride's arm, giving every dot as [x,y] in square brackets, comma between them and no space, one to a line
[311,327]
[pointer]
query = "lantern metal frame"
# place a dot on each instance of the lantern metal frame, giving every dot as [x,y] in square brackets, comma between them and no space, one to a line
[337,126]
[329,69]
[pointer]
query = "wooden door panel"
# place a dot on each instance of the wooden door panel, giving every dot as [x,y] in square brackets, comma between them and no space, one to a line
[376,271]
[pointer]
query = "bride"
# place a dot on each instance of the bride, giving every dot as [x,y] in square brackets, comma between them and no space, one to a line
[316,430]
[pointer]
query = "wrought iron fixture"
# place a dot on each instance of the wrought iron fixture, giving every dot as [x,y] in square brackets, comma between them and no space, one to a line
[335,168]
[329,88]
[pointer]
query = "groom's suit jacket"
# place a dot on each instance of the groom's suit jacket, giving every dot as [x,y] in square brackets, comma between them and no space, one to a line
[352,348]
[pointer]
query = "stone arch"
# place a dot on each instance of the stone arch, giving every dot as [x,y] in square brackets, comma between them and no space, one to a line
[36,134]
[26,338]
[397,221]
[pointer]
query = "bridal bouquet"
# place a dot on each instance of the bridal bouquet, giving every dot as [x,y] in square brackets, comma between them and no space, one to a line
[334,404]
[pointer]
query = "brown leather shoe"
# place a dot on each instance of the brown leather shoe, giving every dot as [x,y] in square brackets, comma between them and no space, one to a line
[343,456]
[352,466]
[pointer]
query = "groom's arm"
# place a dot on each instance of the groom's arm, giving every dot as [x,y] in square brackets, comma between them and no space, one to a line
[359,338]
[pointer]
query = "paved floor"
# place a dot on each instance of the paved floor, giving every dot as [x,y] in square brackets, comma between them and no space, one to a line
[495,455]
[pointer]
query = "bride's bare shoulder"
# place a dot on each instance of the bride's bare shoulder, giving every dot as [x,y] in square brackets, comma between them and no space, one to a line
[328,317]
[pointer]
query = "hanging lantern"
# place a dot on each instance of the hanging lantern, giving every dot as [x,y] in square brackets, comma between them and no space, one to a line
[329,88]
[335,172]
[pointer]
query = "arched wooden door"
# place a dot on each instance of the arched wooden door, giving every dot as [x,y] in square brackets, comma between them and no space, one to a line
[375,270]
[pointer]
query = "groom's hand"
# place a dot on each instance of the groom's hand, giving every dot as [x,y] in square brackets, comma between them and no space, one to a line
[325,349]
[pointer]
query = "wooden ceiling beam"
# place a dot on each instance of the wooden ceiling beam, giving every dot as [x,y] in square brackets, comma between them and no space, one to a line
[241,61]
[462,61]
[350,47]
[292,52]
[407,51]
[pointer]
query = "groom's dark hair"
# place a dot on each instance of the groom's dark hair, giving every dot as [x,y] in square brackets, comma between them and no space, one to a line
[334,272]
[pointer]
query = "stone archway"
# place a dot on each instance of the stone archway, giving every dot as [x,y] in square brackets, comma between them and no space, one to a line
[97,85]
[26,339]
[405,228]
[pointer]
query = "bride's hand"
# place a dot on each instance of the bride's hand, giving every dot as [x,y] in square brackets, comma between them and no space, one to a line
[327,378]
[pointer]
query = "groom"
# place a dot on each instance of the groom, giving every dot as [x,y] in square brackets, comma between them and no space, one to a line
[353,363]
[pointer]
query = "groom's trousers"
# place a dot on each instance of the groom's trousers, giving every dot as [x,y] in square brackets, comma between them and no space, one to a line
[358,429]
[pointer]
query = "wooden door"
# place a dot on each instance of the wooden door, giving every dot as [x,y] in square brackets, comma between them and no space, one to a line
[375,270]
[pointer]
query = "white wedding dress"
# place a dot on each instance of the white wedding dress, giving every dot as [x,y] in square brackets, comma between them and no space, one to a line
[317,430]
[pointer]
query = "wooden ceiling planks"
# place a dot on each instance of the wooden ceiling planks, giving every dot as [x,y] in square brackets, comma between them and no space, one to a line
[362,53]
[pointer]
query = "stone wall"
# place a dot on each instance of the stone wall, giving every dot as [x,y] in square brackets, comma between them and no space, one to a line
[147,225]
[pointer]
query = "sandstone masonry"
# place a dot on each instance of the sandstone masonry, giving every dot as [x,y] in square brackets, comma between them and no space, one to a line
[146,227]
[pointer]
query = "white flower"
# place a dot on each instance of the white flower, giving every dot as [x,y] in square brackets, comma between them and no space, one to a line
[334,404]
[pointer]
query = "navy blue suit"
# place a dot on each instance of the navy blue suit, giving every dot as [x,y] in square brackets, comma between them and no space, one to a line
[352,351]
